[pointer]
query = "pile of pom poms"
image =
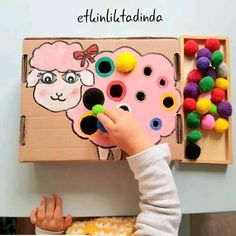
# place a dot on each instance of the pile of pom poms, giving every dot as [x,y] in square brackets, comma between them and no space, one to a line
[205,93]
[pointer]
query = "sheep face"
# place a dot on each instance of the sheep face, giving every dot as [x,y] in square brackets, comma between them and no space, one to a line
[58,91]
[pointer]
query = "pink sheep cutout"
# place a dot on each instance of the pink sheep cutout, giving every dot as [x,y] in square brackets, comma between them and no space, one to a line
[57,77]
[148,92]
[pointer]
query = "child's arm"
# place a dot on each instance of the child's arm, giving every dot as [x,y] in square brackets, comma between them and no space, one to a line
[160,207]
[48,218]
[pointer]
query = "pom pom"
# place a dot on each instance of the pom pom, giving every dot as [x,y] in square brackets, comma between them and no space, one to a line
[222,70]
[190,48]
[208,122]
[203,63]
[193,120]
[92,97]
[206,84]
[217,58]
[189,104]
[204,52]
[194,76]
[210,72]
[126,62]
[101,127]
[213,110]
[221,125]
[194,136]
[203,105]
[205,95]
[222,83]
[191,90]
[192,151]
[217,95]
[98,109]
[224,109]
[212,44]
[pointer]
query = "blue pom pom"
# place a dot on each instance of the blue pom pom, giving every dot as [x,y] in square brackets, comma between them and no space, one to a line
[101,127]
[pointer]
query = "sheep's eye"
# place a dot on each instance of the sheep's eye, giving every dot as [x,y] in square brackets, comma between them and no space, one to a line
[48,78]
[70,78]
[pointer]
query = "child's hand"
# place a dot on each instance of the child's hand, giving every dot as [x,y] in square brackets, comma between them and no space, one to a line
[125,131]
[49,217]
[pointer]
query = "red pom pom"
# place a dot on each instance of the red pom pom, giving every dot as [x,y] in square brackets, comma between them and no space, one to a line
[217,95]
[190,48]
[212,44]
[189,104]
[194,76]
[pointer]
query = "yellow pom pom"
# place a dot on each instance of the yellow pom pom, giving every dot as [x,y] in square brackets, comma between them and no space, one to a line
[221,125]
[222,83]
[126,62]
[203,105]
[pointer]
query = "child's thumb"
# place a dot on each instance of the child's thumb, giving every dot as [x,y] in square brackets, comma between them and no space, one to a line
[67,222]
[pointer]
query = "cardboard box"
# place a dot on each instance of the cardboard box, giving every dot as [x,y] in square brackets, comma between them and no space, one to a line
[62,78]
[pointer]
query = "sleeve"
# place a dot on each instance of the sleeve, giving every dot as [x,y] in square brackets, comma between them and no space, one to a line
[159,203]
[39,231]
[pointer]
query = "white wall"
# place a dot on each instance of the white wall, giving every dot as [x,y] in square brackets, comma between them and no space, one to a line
[102,188]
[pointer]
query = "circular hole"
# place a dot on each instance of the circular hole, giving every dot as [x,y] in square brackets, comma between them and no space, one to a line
[168,102]
[104,67]
[88,125]
[92,97]
[156,124]
[147,71]
[116,90]
[124,107]
[162,82]
[140,96]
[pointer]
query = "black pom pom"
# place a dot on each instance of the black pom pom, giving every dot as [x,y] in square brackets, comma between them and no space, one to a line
[93,97]
[88,125]
[192,151]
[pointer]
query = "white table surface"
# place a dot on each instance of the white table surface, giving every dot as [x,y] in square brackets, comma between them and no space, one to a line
[91,189]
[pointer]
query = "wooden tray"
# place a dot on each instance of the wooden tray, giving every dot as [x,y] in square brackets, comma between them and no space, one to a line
[215,148]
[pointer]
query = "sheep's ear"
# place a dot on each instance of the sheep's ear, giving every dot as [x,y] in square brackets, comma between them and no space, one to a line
[33,78]
[87,77]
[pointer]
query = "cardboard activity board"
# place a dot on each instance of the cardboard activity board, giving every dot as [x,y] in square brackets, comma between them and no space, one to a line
[65,81]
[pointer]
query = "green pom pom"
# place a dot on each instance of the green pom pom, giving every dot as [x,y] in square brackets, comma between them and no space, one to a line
[98,109]
[194,136]
[193,120]
[206,84]
[217,58]
[213,109]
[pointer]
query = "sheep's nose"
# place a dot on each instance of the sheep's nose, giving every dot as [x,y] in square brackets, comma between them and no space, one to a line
[59,94]
[116,90]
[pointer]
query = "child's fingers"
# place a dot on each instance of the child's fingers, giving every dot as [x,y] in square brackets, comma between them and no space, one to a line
[113,114]
[51,207]
[58,209]
[42,208]
[33,216]
[67,222]
[106,121]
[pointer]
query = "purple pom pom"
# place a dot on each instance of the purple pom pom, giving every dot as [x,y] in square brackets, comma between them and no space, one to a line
[191,90]
[210,72]
[204,52]
[203,63]
[224,109]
